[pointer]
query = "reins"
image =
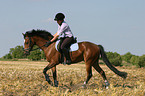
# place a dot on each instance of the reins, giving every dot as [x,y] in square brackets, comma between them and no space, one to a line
[29,49]
[38,48]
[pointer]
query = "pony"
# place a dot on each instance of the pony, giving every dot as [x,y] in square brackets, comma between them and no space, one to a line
[87,52]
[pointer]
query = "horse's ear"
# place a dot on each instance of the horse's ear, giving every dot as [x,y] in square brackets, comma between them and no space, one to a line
[23,34]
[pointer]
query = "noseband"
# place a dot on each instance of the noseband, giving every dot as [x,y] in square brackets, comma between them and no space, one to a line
[28,49]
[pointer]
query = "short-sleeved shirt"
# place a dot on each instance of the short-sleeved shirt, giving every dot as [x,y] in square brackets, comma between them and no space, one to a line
[64,30]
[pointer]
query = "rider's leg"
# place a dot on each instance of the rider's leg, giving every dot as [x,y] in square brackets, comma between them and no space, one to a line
[65,49]
[67,56]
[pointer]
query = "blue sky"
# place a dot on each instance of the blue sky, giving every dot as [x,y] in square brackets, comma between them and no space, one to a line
[118,25]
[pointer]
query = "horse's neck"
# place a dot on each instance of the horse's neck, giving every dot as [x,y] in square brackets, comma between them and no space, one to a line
[40,42]
[47,50]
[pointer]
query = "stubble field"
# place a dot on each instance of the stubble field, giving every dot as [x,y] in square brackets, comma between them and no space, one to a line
[25,78]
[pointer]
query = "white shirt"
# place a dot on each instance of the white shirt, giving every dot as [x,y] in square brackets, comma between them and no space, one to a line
[64,30]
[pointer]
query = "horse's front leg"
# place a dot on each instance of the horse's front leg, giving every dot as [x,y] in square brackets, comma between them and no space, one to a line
[55,76]
[49,66]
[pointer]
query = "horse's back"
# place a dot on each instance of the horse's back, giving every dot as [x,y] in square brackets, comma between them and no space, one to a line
[89,48]
[90,51]
[88,45]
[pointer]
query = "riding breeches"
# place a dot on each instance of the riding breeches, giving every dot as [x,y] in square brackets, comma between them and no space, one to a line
[66,42]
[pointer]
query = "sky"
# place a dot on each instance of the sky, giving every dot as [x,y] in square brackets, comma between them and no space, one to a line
[118,25]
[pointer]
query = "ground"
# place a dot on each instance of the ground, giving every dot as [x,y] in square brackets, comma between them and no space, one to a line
[20,78]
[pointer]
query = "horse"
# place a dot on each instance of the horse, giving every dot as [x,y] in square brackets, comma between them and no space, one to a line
[87,52]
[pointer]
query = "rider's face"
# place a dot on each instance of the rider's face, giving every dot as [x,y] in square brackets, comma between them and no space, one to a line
[59,22]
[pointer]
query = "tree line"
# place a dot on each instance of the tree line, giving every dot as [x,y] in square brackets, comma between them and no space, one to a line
[114,58]
[18,53]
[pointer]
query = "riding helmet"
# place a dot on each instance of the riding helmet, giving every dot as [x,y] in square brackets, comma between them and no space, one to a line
[59,16]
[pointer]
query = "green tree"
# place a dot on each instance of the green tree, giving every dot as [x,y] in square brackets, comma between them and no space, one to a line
[126,57]
[7,56]
[35,55]
[43,55]
[134,60]
[114,58]
[141,62]
[17,52]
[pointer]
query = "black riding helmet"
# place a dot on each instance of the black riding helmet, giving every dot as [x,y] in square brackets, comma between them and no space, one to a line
[59,16]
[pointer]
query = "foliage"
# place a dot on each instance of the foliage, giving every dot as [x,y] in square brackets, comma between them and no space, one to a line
[43,55]
[7,56]
[127,57]
[134,60]
[114,58]
[141,62]
[16,52]
[35,55]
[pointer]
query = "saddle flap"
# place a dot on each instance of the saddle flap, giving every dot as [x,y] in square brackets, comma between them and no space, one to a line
[73,47]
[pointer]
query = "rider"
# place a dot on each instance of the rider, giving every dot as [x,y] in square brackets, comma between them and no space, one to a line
[65,35]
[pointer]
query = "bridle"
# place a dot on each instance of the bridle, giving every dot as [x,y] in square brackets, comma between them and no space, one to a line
[30,43]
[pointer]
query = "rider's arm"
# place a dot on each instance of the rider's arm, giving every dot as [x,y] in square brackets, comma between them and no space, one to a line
[55,34]
[59,32]
[55,37]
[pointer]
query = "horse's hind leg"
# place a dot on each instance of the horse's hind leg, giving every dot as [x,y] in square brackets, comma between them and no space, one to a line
[89,74]
[102,73]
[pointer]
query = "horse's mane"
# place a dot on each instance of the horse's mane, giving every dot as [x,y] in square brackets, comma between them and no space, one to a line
[41,33]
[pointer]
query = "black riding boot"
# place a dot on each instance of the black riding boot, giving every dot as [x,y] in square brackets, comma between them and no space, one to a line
[67,56]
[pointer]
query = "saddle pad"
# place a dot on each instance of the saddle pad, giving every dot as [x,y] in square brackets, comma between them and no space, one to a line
[73,47]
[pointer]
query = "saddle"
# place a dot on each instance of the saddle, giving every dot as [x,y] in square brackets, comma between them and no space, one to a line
[74,47]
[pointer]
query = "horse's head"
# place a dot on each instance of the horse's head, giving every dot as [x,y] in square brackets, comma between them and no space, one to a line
[29,41]
[28,44]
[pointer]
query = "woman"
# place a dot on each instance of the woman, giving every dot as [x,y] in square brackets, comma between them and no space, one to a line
[65,35]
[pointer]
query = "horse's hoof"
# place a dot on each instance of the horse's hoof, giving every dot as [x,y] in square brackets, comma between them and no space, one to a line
[107,87]
[55,83]
[107,84]
[50,82]
[84,86]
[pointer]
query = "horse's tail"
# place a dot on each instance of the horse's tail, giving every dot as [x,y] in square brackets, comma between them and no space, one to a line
[105,59]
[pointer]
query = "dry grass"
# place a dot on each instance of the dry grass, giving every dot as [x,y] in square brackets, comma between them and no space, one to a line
[21,78]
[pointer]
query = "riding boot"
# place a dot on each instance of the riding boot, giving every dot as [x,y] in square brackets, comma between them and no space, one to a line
[67,56]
